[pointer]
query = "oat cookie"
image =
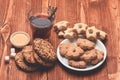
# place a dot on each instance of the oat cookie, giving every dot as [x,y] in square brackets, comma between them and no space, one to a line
[64,48]
[99,58]
[85,44]
[42,62]
[21,64]
[77,64]
[88,56]
[44,49]
[28,53]
[74,52]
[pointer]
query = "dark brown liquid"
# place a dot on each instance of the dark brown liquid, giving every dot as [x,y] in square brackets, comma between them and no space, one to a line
[42,27]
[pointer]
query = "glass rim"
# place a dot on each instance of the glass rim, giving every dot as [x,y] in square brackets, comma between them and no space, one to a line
[32,9]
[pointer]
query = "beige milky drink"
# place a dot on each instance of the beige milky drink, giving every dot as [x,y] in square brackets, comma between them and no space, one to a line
[19,39]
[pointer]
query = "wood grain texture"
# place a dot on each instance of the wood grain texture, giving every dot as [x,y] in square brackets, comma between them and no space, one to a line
[105,16]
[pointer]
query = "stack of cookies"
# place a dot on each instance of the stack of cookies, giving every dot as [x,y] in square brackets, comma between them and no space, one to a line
[81,54]
[41,53]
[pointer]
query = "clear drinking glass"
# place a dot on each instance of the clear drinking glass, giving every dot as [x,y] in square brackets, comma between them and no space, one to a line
[41,22]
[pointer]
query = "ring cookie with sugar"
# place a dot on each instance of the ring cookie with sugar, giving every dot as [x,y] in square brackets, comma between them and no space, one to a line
[61,34]
[91,33]
[101,35]
[80,28]
[70,33]
[61,26]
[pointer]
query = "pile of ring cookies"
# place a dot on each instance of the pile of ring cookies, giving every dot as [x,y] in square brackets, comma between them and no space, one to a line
[40,53]
[92,33]
[81,54]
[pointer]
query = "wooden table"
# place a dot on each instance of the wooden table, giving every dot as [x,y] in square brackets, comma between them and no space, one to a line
[105,16]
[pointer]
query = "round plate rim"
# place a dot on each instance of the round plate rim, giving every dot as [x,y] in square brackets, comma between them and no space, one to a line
[84,69]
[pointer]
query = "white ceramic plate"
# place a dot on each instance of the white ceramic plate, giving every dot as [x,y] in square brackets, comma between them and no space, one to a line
[99,45]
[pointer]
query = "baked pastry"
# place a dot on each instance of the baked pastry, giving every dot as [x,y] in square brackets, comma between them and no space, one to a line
[92,33]
[101,35]
[70,33]
[61,34]
[80,28]
[21,64]
[99,58]
[74,52]
[88,56]
[42,62]
[61,26]
[44,49]
[77,64]
[85,44]
[64,48]
[28,53]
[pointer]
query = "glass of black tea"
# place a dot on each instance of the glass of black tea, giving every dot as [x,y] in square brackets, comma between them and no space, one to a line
[41,22]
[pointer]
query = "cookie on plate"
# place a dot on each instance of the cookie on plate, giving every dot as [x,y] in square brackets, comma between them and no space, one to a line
[64,48]
[44,49]
[74,52]
[28,54]
[77,64]
[89,55]
[99,58]
[21,64]
[42,62]
[85,44]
